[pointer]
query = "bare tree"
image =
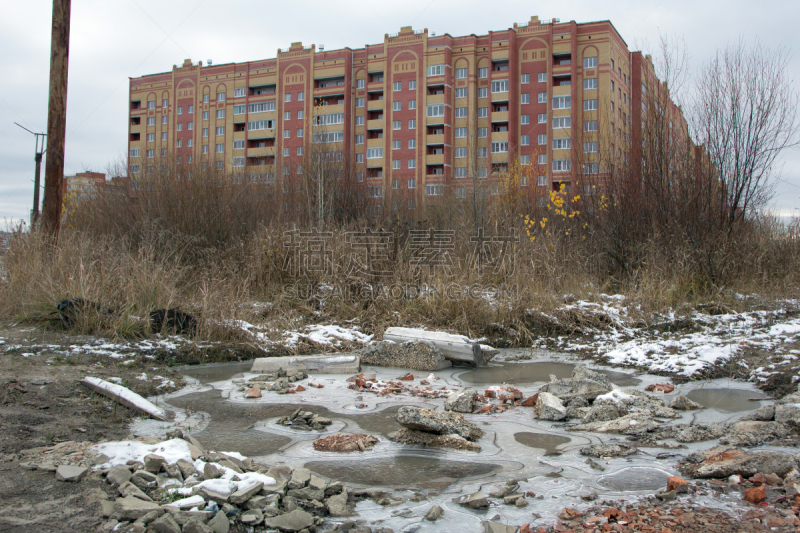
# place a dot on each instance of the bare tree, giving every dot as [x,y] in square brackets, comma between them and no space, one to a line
[745,114]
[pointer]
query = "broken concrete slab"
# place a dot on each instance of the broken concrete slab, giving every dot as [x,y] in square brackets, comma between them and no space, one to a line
[132,508]
[441,423]
[124,396]
[584,382]
[317,364]
[456,348]
[413,355]
[292,522]
[432,440]
[549,407]
[71,473]
[461,401]
[725,461]
[476,500]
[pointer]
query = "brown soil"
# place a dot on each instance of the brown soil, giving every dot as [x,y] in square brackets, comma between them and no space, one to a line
[41,403]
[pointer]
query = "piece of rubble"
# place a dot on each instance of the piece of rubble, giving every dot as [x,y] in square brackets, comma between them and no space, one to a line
[345,443]
[314,364]
[434,513]
[71,473]
[441,423]
[584,382]
[476,500]
[725,461]
[549,407]
[456,348]
[602,451]
[682,403]
[433,440]
[461,401]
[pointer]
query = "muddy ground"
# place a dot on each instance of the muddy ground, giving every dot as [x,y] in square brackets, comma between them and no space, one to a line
[43,403]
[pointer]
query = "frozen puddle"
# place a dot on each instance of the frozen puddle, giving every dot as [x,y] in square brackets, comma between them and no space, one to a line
[542,456]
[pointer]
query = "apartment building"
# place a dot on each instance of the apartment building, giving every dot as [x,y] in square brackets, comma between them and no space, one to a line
[419,115]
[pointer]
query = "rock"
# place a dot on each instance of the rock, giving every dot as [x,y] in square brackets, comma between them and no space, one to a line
[173,471]
[196,526]
[227,463]
[414,355]
[682,403]
[476,500]
[725,461]
[497,527]
[129,489]
[210,471]
[432,440]
[291,522]
[549,407]
[132,508]
[765,413]
[679,485]
[153,463]
[345,443]
[300,478]
[118,475]
[152,515]
[212,495]
[773,479]
[511,499]
[788,414]
[609,450]
[634,400]
[143,479]
[756,495]
[584,382]
[667,496]
[253,393]
[504,490]
[441,423]
[71,473]
[165,524]
[175,434]
[307,493]
[462,401]
[219,524]
[241,496]
[187,469]
[434,513]
[666,388]
[603,412]
[631,424]
[753,433]
[337,505]
[252,517]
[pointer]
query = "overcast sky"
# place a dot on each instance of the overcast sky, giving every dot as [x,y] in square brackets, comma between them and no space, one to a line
[112,40]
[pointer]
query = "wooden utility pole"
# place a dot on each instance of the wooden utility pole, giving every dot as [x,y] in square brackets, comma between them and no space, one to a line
[56,116]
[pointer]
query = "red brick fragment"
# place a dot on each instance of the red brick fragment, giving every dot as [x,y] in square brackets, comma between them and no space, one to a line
[677,484]
[756,494]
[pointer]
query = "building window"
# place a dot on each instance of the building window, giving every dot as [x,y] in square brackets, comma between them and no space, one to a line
[396,145]
[134,169]
[525,160]
[412,124]
[526,119]
[396,183]
[165,103]
[590,62]
[461,133]
[287,97]
[542,98]
[542,159]
[461,73]
[164,120]
[461,112]
[238,162]
[239,109]
[483,92]
[397,106]
[541,181]
[397,86]
[412,104]
[562,143]
[590,125]
[205,132]
[590,83]
[238,144]
[301,96]
[286,152]
[220,97]
[562,165]
[180,126]
[483,153]
[220,130]
[151,137]
[435,70]
[180,143]
[360,120]
[396,166]
[591,105]
[435,110]
[374,153]
[287,115]
[542,118]
[220,148]
[412,163]
[151,154]
[434,190]
[562,122]
[287,134]
[483,172]
[359,102]
[360,84]
[483,73]
[500,86]
[397,124]
[590,148]
[412,182]
[151,105]
[205,149]
[461,153]
[359,139]
[412,143]
[590,168]
[134,152]
[525,78]
[461,172]
[525,140]
[562,102]
[205,115]
[239,92]
[542,77]
[412,85]
[483,133]
[483,112]
[359,158]
[189,143]
[151,121]
[525,98]
[205,98]
[299,132]
[299,171]
[461,93]
[191,126]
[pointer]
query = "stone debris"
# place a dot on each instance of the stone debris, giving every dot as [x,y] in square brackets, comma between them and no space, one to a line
[440,423]
[725,461]
[71,473]
[476,500]
[682,403]
[283,382]
[369,383]
[585,383]
[462,401]
[345,443]
[305,421]
[666,388]
[607,451]
[549,407]
[413,355]
[434,513]
[432,440]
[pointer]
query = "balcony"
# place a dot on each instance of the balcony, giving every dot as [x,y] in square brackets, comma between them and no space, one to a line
[562,90]
[376,105]
[376,124]
[500,157]
[375,162]
[499,136]
[435,99]
[433,121]
[261,134]
[500,116]
[434,159]
[433,140]
[500,97]
[266,151]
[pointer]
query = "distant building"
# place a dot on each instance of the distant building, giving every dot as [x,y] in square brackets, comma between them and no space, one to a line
[419,115]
